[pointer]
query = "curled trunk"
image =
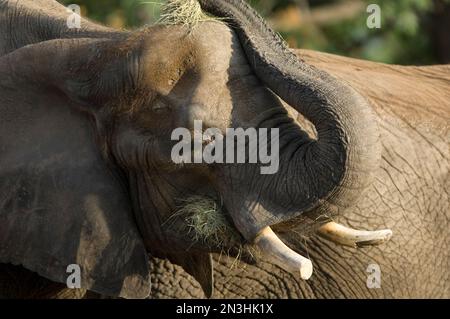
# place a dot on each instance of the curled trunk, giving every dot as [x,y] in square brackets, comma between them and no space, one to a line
[332,170]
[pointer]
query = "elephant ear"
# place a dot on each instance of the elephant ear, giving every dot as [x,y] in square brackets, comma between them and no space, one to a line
[60,202]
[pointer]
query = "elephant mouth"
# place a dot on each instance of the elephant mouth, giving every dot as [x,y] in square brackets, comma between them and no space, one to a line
[207,222]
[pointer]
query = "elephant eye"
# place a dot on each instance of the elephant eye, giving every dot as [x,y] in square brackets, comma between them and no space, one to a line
[159,106]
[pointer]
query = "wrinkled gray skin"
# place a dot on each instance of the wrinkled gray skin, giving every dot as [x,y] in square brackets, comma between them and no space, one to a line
[376,164]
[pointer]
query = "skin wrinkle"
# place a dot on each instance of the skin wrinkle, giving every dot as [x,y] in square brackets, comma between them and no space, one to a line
[333,267]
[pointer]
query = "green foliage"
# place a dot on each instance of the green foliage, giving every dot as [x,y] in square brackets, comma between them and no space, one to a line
[400,39]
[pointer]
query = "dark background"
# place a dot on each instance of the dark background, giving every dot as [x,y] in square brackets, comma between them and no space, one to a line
[412,31]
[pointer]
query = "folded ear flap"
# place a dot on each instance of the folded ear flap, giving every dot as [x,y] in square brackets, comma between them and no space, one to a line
[61,203]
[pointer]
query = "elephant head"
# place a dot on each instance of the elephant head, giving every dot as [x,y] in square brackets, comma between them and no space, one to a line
[87,172]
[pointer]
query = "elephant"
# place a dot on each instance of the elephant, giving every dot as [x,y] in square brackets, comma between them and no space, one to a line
[88,177]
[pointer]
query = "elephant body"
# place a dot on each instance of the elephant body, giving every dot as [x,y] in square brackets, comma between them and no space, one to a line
[408,192]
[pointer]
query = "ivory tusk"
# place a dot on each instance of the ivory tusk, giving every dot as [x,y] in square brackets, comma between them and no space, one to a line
[351,237]
[280,254]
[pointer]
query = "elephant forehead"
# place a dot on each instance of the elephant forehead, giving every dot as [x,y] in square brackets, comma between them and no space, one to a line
[216,47]
[209,52]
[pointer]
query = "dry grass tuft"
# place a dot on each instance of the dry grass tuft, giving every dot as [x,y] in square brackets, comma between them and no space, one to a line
[183,12]
[206,222]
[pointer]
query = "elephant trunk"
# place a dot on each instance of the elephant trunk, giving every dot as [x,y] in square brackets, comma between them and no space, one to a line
[332,170]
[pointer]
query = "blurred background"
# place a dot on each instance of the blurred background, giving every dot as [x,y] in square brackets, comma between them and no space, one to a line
[412,31]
